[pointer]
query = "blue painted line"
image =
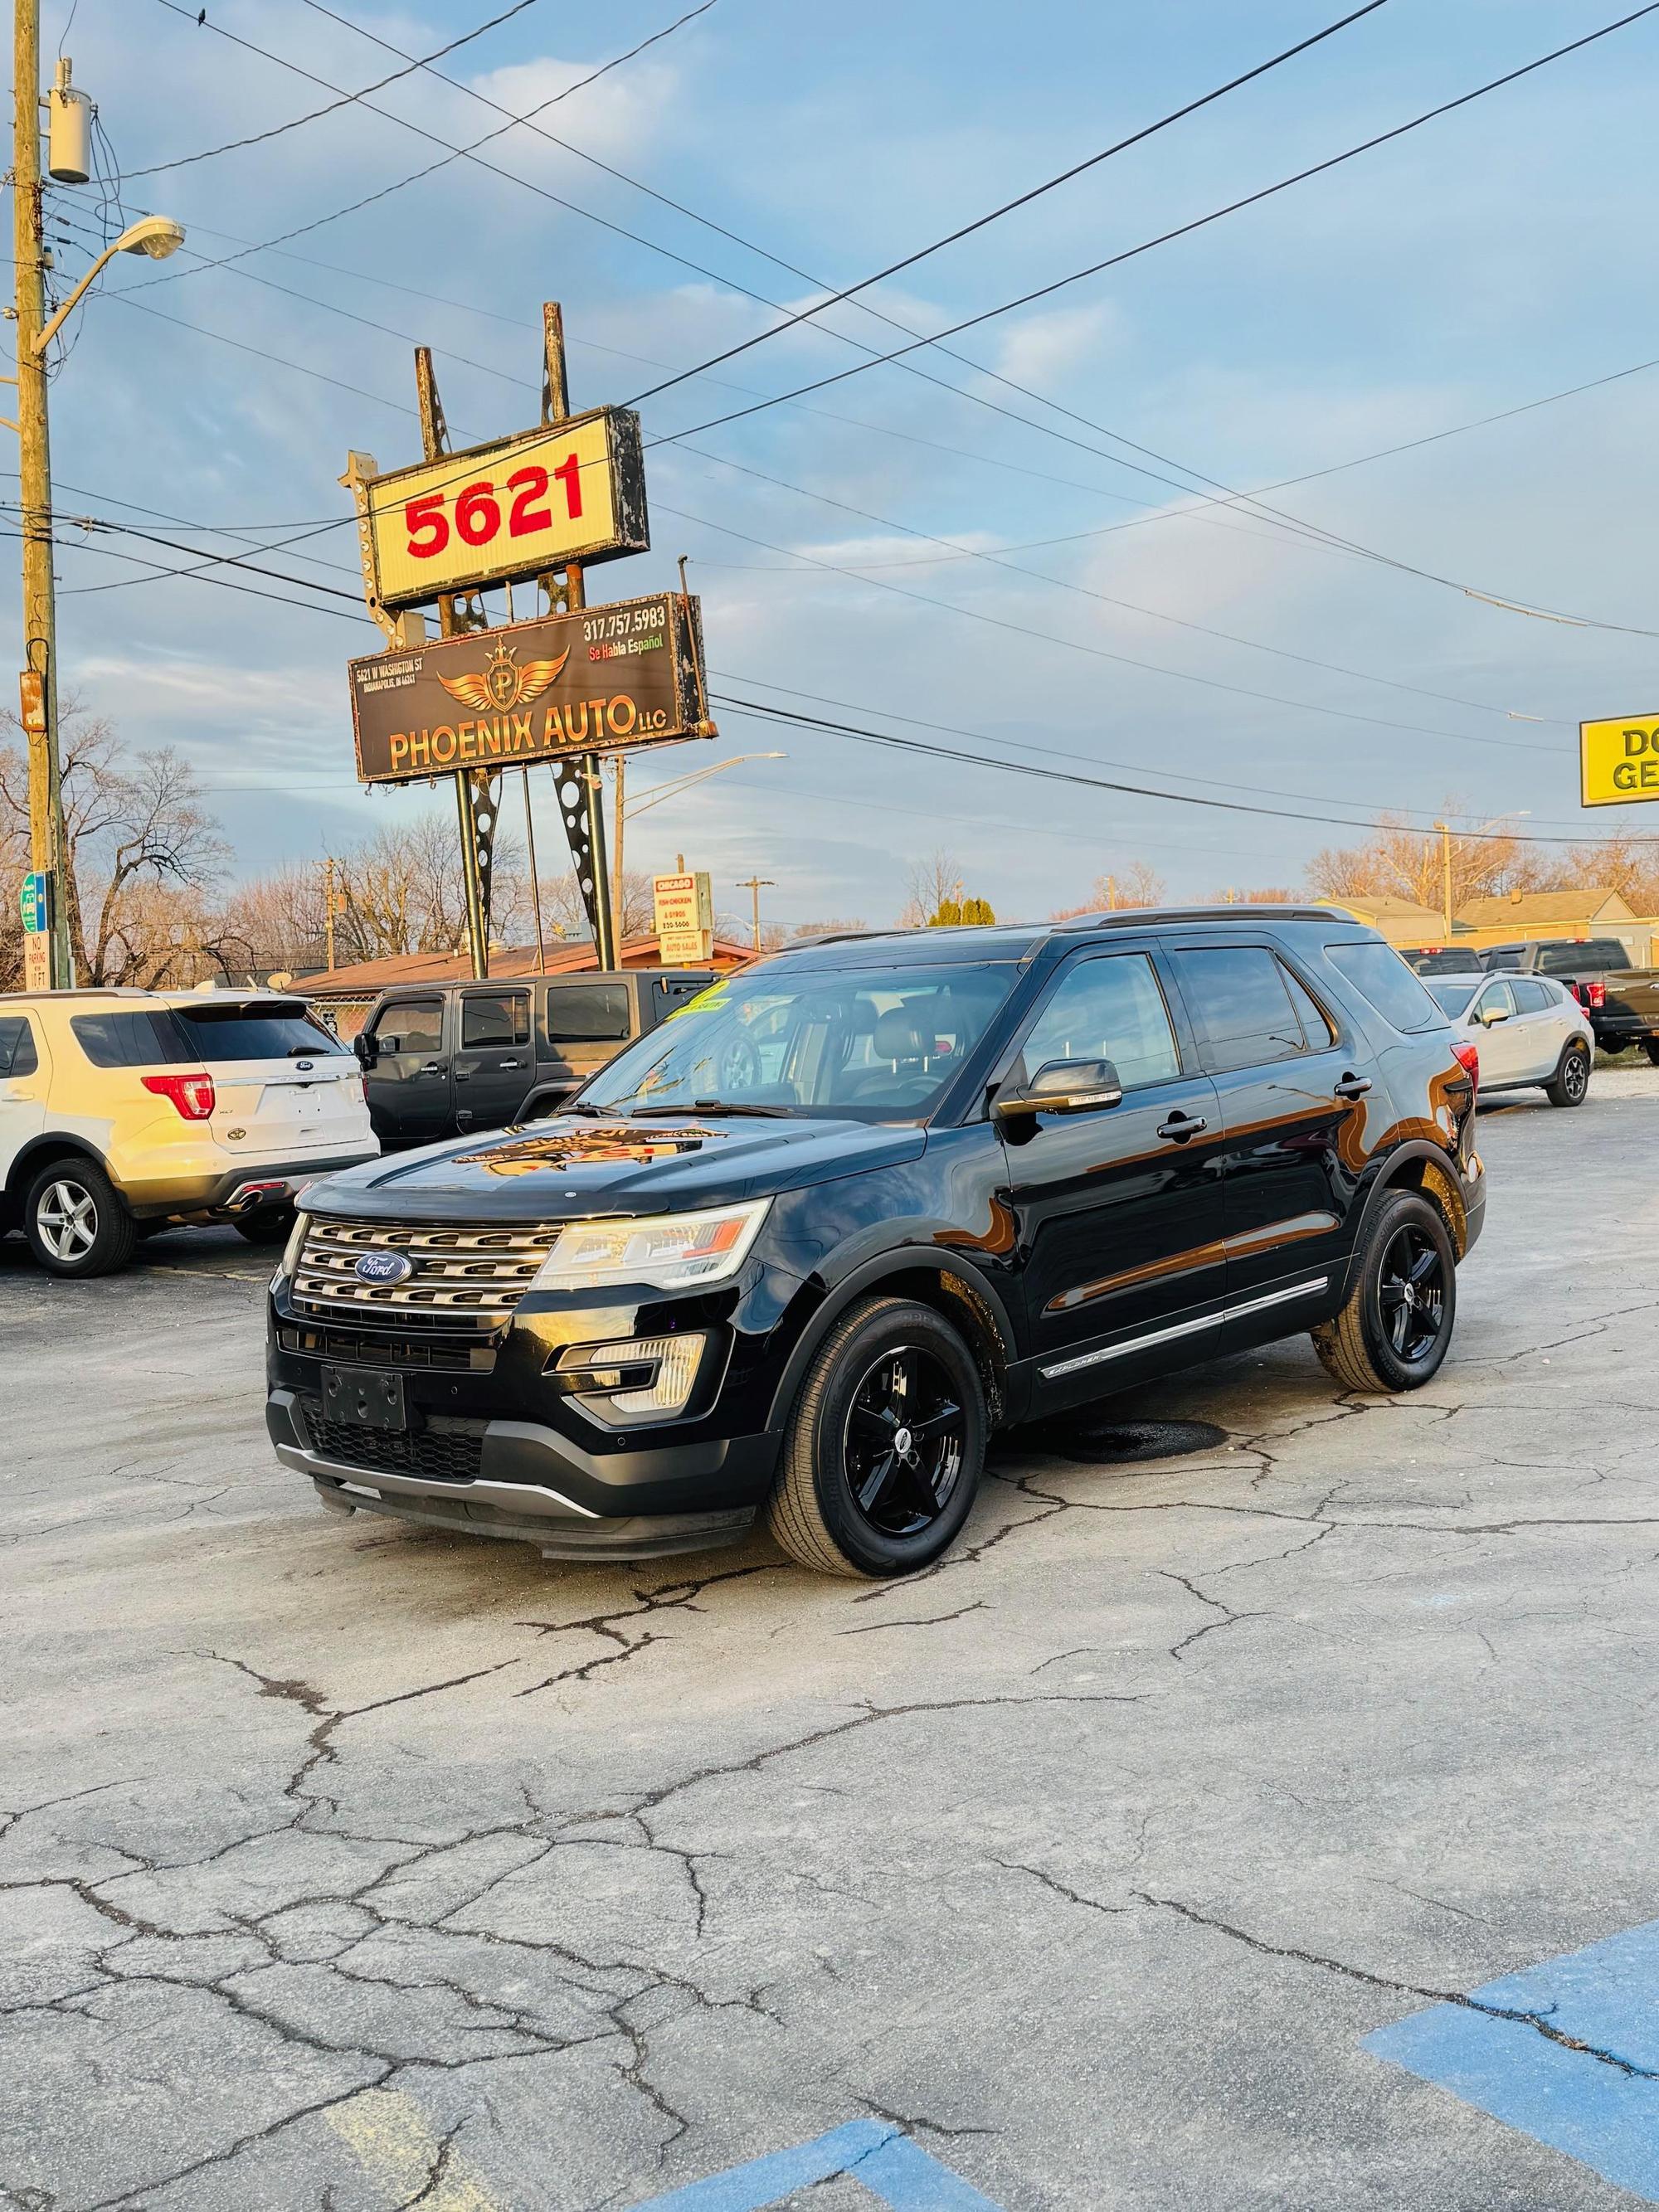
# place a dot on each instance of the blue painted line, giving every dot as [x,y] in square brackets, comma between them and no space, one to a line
[881,2159]
[1605,1996]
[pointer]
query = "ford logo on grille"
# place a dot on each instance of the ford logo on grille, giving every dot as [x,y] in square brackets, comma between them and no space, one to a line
[385,1268]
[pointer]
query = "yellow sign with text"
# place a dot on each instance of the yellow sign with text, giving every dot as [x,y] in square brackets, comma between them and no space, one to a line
[522,507]
[1619,760]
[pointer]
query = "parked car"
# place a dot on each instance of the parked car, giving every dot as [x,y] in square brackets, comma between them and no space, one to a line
[1622,1001]
[1530,1031]
[122,1112]
[1439,959]
[804,1247]
[440,1059]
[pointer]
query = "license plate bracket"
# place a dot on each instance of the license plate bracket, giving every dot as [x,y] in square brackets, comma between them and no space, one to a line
[364,1398]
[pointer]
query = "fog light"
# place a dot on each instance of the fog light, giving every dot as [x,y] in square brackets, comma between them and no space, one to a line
[636,1375]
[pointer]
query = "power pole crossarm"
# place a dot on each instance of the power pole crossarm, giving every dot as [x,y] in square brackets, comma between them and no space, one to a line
[756,885]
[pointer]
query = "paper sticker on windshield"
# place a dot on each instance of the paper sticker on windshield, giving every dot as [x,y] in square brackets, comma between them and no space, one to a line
[712,997]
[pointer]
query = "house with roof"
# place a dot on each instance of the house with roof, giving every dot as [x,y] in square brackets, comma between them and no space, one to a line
[1402,922]
[1570,915]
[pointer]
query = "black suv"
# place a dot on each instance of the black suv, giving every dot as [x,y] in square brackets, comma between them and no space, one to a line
[803,1246]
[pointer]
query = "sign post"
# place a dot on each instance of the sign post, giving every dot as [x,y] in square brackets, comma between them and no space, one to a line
[683,916]
[575,682]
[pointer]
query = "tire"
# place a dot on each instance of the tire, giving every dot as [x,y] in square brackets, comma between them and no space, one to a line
[270,1226]
[1611,1045]
[75,1220]
[1650,1046]
[1571,1084]
[881,1355]
[1368,1347]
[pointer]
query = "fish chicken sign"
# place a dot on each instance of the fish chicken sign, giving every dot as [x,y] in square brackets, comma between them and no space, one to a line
[599,679]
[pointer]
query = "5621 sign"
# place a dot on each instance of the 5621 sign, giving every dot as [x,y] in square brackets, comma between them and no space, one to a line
[507,511]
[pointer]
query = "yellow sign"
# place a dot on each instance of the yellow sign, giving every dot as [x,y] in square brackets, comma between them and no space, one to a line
[684,917]
[575,491]
[1619,760]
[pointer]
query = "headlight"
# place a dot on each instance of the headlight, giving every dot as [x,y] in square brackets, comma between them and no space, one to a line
[295,1246]
[669,1251]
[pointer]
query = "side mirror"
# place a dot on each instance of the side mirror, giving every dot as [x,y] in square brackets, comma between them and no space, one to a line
[1062,1086]
[1494,1014]
[367,1050]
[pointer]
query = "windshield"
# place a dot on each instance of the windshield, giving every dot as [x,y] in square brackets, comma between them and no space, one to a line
[1455,997]
[862,1044]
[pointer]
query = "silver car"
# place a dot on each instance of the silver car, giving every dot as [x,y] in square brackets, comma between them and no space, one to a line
[1530,1031]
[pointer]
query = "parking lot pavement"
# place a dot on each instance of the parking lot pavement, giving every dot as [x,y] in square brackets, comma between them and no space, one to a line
[347,1866]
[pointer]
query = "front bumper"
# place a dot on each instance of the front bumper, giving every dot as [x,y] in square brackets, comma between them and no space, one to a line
[534,1485]
[240,1189]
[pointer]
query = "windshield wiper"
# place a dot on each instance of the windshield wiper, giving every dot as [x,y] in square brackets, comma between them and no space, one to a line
[710,1106]
[593,1113]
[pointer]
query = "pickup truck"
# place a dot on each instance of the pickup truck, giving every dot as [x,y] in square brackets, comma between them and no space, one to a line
[1622,1001]
[440,1059]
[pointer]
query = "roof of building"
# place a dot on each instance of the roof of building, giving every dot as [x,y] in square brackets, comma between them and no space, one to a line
[1385,907]
[564,956]
[1524,910]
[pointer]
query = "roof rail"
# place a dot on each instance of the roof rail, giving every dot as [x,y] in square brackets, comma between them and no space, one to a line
[1141,917]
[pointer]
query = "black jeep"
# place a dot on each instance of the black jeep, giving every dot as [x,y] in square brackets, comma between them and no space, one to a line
[800,1249]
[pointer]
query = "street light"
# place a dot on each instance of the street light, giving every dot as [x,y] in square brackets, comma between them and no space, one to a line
[628,809]
[47,959]
[156,235]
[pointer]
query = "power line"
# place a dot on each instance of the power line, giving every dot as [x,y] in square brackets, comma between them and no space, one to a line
[260,137]
[1024,199]
[793,717]
[1165,238]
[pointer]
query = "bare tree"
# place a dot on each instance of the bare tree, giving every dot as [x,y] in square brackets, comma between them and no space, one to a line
[142,852]
[930,883]
[1138,885]
[840,928]
[1398,861]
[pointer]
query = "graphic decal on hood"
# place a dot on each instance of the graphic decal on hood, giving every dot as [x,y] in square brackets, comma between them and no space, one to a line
[602,1145]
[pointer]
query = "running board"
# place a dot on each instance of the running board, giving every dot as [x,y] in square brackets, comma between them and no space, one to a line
[1184,1328]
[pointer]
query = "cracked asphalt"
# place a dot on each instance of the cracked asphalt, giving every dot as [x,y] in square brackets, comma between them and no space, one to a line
[350,1867]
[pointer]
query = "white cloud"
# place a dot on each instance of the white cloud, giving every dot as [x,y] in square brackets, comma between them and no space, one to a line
[1046,348]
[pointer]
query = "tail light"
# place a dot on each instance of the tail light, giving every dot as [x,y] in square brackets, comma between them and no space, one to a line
[194,1095]
[1592,994]
[1468,1057]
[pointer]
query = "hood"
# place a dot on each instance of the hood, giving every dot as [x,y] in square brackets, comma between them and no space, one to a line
[573,1166]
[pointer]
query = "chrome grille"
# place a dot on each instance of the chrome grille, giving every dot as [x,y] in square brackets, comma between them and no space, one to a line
[465,1277]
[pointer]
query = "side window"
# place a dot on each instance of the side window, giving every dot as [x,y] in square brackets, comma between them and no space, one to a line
[1107,1008]
[1316,1025]
[491,1018]
[1379,973]
[17,1053]
[587,1013]
[1496,998]
[411,1025]
[1238,998]
[1532,997]
[132,1040]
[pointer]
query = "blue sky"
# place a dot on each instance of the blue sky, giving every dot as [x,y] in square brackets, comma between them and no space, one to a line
[1492,257]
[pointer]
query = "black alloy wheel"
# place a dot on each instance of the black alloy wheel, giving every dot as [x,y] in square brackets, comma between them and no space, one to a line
[884,1445]
[1570,1085]
[1412,1294]
[904,1443]
[1395,1325]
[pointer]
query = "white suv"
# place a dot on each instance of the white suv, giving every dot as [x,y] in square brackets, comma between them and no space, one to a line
[122,1112]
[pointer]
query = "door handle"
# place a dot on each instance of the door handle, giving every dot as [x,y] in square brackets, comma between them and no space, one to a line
[1352,1086]
[464,1075]
[433,1067]
[509,1063]
[1179,1126]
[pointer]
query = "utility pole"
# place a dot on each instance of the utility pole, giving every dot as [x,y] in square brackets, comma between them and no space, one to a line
[756,885]
[47,839]
[328,910]
[1444,828]
[619,762]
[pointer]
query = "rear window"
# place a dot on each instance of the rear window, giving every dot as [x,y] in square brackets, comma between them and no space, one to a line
[273,1032]
[587,1013]
[1379,973]
[17,1053]
[1506,956]
[132,1040]
[1573,959]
